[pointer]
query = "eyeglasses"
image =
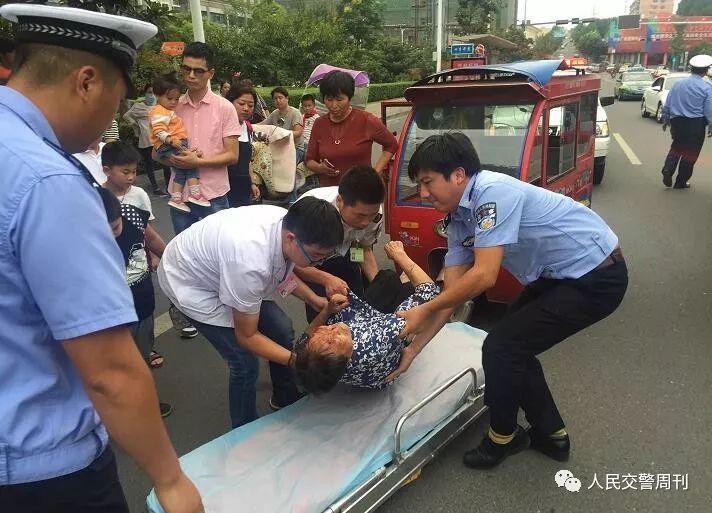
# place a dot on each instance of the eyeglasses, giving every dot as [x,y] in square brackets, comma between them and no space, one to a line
[309,258]
[198,72]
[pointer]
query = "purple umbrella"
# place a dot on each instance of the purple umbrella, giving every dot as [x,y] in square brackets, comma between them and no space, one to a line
[360,77]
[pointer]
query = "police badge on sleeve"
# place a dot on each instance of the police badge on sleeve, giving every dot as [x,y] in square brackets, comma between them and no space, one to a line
[486,216]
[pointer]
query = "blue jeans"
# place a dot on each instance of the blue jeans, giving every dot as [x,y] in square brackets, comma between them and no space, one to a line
[244,366]
[181,175]
[182,220]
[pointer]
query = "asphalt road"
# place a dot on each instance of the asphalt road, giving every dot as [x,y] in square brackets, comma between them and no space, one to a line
[634,389]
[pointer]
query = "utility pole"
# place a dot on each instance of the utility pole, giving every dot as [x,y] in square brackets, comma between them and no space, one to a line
[196,17]
[439,44]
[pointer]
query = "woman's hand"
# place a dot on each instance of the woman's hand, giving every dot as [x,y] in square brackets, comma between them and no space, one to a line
[255,192]
[328,168]
[335,285]
[337,302]
[395,250]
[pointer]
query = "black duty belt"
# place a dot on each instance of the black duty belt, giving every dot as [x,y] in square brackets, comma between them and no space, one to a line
[615,256]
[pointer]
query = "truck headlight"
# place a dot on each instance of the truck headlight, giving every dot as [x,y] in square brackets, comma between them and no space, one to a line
[440,228]
[601,128]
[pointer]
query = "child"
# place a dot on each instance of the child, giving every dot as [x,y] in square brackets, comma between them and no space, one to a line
[120,161]
[169,138]
[310,116]
[128,237]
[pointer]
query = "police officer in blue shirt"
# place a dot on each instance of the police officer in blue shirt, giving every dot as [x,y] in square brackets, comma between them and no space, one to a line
[70,374]
[564,253]
[687,109]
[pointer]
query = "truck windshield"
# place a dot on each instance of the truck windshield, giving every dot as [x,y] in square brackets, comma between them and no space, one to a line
[496,131]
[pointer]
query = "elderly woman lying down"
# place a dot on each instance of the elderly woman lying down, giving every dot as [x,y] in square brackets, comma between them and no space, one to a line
[351,342]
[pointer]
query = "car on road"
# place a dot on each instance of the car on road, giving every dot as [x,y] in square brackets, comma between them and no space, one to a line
[631,84]
[654,96]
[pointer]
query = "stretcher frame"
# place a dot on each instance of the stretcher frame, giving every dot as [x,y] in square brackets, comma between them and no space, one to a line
[407,463]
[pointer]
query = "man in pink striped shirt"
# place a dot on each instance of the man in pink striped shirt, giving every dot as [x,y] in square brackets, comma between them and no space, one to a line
[213,128]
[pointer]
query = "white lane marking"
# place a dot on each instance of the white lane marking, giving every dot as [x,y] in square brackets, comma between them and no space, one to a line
[627,150]
[161,324]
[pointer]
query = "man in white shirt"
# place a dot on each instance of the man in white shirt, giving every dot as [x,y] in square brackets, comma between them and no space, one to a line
[91,158]
[358,198]
[223,273]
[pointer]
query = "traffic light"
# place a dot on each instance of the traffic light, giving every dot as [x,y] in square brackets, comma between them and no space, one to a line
[574,21]
[562,22]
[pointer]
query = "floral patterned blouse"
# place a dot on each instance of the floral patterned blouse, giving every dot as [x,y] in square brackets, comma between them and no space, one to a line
[377,347]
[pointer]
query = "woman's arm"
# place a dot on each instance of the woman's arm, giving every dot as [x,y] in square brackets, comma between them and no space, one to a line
[396,252]
[337,303]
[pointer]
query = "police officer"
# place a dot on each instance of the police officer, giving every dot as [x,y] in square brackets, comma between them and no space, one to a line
[358,198]
[688,109]
[70,374]
[564,253]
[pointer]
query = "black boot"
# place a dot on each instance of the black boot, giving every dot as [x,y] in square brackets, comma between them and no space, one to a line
[489,454]
[557,448]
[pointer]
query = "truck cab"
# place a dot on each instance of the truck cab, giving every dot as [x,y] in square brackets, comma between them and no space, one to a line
[523,121]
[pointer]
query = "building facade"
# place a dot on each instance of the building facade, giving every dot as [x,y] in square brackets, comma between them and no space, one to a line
[649,44]
[652,8]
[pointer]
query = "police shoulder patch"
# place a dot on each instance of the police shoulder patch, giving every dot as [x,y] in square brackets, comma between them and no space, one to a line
[486,216]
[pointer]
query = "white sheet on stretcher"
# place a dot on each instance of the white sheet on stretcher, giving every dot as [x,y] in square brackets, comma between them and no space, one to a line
[306,456]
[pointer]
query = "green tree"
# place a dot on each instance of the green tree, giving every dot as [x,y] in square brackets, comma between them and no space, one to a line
[634,7]
[476,16]
[362,19]
[701,49]
[694,8]
[125,7]
[592,45]
[523,50]
[545,46]
[678,45]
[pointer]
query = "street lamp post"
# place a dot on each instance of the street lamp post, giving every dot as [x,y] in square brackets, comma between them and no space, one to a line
[439,44]
[196,16]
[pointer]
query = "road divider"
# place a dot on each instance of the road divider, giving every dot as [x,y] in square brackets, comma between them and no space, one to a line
[627,150]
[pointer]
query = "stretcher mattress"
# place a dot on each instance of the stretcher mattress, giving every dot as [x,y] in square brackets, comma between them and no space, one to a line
[304,457]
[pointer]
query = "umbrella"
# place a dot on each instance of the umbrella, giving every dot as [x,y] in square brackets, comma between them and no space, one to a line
[360,77]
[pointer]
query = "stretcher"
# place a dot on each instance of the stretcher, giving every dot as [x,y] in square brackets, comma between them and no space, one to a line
[349,450]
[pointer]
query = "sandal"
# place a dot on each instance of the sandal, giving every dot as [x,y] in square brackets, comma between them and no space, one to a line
[156,360]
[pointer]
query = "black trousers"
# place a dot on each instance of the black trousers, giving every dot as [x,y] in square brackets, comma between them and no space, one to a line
[148,166]
[341,267]
[547,312]
[688,136]
[95,489]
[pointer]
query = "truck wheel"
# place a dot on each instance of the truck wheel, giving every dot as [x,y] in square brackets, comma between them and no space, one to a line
[599,166]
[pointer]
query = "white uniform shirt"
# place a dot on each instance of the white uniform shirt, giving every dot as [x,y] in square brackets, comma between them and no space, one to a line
[92,161]
[352,237]
[230,260]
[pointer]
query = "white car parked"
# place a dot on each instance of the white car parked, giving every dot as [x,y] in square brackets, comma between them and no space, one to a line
[654,96]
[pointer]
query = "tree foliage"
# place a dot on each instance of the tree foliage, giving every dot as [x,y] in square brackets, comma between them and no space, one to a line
[523,51]
[677,43]
[591,38]
[476,16]
[634,7]
[701,49]
[545,46]
[694,8]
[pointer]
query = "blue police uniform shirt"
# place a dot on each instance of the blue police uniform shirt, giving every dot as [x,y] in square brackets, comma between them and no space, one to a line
[689,98]
[544,234]
[61,277]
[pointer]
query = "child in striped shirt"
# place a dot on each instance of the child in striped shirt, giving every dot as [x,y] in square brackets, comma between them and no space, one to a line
[169,137]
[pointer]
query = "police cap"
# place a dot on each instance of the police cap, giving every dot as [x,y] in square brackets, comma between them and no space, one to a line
[701,61]
[116,38]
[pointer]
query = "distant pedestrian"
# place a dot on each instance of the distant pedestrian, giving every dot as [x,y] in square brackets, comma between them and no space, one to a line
[137,116]
[687,110]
